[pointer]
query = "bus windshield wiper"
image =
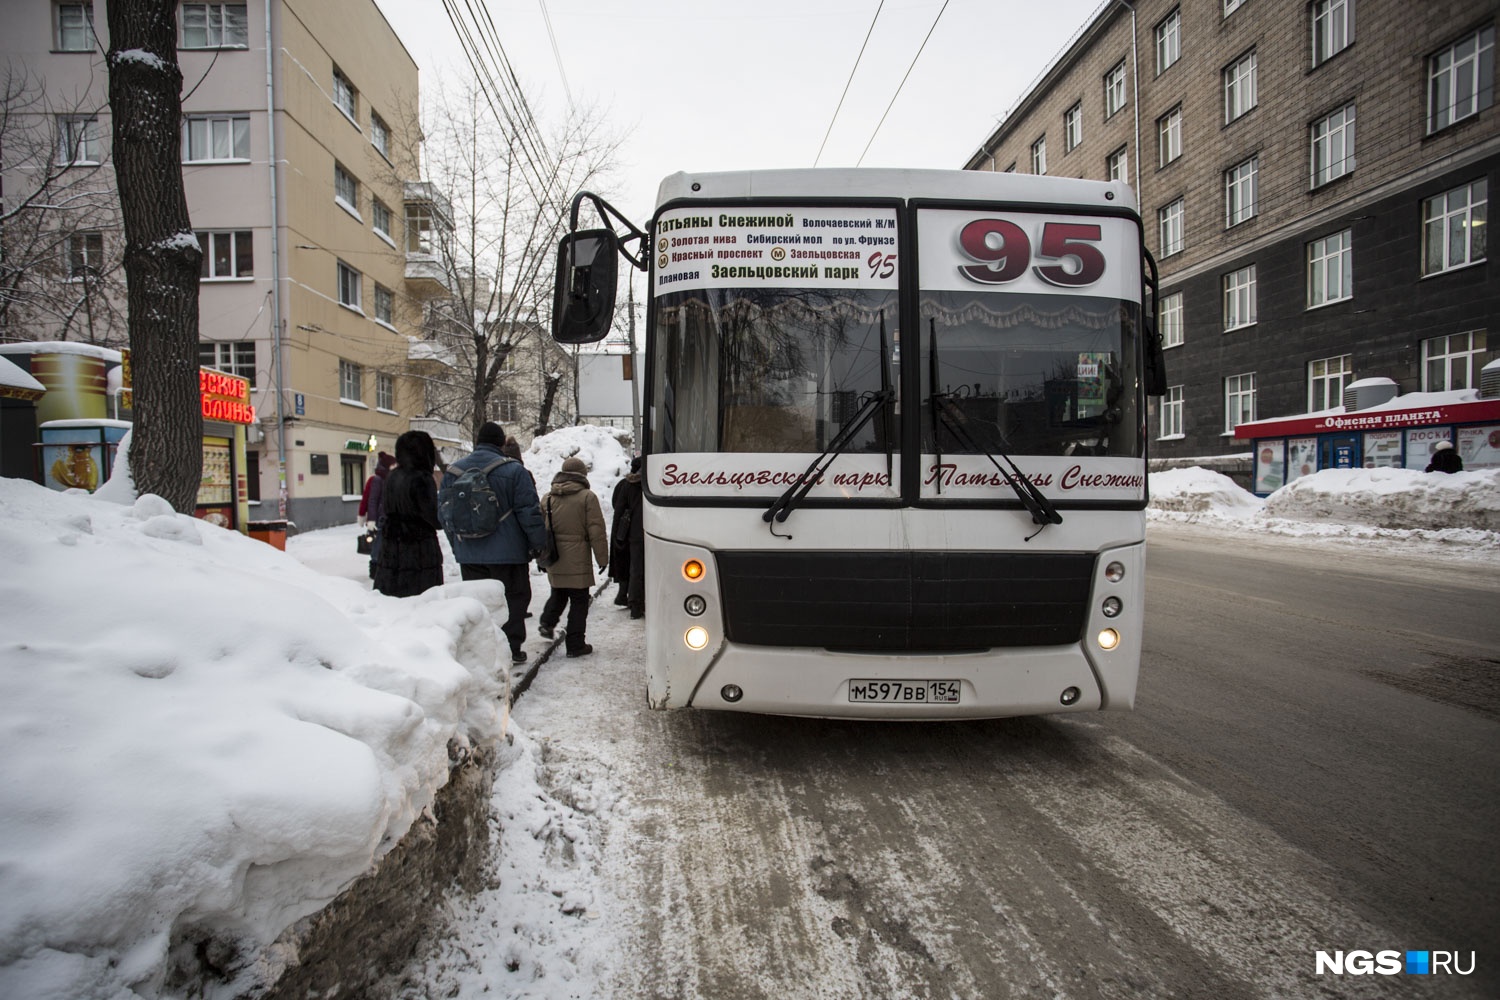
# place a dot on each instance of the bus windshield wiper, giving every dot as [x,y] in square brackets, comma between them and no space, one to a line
[944,412]
[799,489]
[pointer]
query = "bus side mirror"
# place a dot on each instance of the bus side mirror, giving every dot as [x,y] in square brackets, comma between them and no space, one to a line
[583,302]
[1156,363]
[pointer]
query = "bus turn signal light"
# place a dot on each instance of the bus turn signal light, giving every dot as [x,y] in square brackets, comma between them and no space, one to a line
[692,569]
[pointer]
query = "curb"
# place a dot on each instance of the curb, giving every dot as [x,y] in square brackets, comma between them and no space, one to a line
[520,685]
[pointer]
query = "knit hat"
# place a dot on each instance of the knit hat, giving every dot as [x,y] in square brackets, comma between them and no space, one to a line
[1442,445]
[492,433]
[574,465]
[386,459]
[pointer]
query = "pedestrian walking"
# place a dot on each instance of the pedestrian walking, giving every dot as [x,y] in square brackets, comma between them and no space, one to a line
[502,554]
[630,520]
[410,560]
[1445,458]
[577,521]
[372,503]
[619,537]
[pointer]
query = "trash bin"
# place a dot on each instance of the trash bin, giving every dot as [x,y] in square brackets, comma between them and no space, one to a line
[273,533]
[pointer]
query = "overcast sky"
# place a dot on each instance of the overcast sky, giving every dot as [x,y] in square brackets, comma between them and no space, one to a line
[735,84]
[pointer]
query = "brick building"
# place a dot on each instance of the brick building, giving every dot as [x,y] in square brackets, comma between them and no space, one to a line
[1313,180]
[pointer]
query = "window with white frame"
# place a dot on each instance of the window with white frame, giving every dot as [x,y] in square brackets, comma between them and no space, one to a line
[1453,227]
[385,391]
[1239,191]
[1326,379]
[1461,79]
[83,255]
[215,26]
[1239,298]
[1230,6]
[350,377]
[73,27]
[1239,87]
[1171,412]
[226,255]
[384,304]
[1169,136]
[345,188]
[507,408]
[1039,156]
[1114,90]
[1332,28]
[419,228]
[1073,127]
[235,357]
[349,286]
[1333,145]
[1168,40]
[351,475]
[1330,269]
[1169,222]
[345,97]
[1239,401]
[380,135]
[1453,362]
[380,217]
[1170,315]
[78,140]
[1116,165]
[206,138]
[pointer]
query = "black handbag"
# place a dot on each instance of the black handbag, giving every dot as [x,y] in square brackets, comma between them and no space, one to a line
[366,541]
[548,556]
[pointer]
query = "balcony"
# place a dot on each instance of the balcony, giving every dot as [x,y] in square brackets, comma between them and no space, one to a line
[429,219]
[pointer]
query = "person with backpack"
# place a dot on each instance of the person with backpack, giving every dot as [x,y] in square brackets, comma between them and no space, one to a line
[576,519]
[493,520]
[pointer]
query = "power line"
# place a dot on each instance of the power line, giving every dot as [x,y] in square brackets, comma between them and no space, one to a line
[558,55]
[848,82]
[901,84]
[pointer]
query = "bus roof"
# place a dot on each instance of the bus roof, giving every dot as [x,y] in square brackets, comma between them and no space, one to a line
[881,182]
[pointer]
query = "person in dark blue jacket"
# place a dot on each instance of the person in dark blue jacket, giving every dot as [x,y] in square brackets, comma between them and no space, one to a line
[503,555]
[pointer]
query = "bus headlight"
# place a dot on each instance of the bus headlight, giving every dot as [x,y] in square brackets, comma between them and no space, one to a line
[1111,607]
[1114,572]
[696,637]
[1108,639]
[693,570]
[695,605]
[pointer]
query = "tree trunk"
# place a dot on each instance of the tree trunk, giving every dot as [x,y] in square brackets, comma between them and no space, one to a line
[544,415]
[162,256]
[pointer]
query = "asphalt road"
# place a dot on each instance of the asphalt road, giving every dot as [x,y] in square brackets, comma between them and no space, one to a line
[1313,764]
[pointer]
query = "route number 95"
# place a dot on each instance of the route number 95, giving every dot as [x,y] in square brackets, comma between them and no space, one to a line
[1004,252]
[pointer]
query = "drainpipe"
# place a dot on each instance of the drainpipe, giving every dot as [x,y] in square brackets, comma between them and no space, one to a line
[278,325]
[1135,85]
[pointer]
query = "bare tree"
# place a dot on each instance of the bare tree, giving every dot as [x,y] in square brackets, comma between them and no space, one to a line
[509,195]
[61,274]
[162,256]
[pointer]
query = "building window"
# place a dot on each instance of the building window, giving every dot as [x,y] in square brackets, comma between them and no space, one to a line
[1333,145]
[1169,136]
[345,189]
[380,135]
[507,408]
[234,357]
[380,218]
[1012,168]
[1239,401]
[214,26]
[1453,225]
[1171,413]
[384,303]
[1326,379]
[1330,269]
[1168,41]
[1073,127]
[1453,362]
[349,286]
[78,140]
[1461,79]
[1039,156]
[73,27]
[418,228]
[350,376]
[1170,315]
[385,392]
[345,97]
[1332,28]
[1114,90]
[83,255]
[352,475]
[1169,224]
[208,138]
[226,255]
[1239,192]
[1230,6]
[1239,298]
[1116,167]
[1239,87]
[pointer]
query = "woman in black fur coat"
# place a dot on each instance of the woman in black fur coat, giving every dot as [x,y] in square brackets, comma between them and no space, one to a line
[410,559]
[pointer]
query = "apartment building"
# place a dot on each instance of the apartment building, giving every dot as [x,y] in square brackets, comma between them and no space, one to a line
[1314,180]
[316,228]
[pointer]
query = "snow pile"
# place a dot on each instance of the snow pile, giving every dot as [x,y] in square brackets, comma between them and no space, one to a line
[1194,491]
[201,736]
[601,448]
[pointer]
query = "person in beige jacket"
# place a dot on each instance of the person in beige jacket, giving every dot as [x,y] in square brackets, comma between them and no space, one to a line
[572,511]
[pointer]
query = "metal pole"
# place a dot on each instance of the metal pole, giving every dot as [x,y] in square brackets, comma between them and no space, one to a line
[278,325]
[635,372]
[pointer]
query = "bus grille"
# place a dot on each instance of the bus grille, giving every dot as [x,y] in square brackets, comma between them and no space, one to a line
[904,602]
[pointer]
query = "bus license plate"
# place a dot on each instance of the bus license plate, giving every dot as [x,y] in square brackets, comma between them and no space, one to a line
[905,692]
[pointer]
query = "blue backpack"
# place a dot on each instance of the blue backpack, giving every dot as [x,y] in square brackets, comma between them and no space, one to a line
[468,507]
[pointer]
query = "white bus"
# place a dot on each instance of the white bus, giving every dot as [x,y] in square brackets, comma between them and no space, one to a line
[894,438]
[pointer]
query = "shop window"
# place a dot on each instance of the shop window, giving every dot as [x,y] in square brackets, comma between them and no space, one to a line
[352,475]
